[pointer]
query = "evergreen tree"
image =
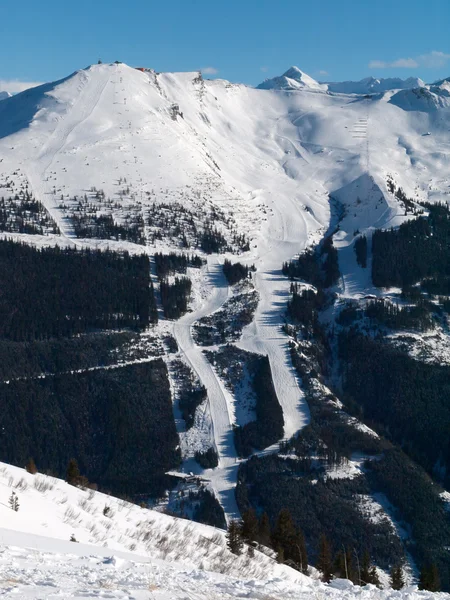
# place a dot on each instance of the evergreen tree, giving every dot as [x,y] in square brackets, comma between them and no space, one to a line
[234,537]
[73,472]
[368,571]
[429,578]
[397,580]
[264,531]
[343,566]
[31,466]
[284,535]
[302,552]
[324,559]
[14,502]
[250,526]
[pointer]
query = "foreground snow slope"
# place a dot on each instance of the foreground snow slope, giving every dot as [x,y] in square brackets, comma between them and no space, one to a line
[134,553]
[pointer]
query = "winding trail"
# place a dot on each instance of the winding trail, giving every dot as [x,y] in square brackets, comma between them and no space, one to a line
[223,478]
[286,234]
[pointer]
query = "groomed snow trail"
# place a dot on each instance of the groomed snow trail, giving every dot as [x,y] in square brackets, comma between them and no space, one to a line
[285,236]
[223,479]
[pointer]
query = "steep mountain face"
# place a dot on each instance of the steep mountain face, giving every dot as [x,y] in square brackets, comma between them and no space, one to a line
[291,182]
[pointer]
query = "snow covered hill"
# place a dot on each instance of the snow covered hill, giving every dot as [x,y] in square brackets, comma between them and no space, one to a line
[120,550]
[4,95]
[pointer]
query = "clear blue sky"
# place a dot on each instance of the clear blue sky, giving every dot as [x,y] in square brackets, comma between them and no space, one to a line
[246,40]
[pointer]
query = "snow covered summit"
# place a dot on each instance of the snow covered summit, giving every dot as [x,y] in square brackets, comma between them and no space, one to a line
[293,79]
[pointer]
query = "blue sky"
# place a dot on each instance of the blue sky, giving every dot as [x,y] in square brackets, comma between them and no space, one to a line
[246,40]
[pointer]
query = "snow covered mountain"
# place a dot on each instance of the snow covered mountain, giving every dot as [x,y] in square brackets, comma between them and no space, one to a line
[4,95]
[293,79]
[263,163]
[372,85]
[130,159]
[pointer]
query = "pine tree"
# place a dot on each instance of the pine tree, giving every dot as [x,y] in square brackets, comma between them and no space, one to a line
[368,571]
[397,579]
[302,552]
[73,472]
[429,578]
[264,532]
[14,502]
[284,535]
[234,537]
[250,526]
[31,467]
[324,559]
[365,569]
[339,568]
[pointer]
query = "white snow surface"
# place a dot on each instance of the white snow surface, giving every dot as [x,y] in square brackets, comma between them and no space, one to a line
[135,553]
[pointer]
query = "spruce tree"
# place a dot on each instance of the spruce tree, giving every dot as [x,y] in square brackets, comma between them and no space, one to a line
[368,571]
[250,526]
[14,502]
[324,559]
[429,578]
[234,537]
[397,580]
[284,535]
[301,552]
[73,472]
[264,531]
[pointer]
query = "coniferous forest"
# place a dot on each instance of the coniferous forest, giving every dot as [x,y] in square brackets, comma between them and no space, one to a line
[57,292]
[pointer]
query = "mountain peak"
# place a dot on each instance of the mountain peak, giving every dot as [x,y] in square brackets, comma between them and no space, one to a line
[4,95]
[293,79]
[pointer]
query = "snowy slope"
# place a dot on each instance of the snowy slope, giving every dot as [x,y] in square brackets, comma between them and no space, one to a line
[134,553]
[265,160]
[4,95]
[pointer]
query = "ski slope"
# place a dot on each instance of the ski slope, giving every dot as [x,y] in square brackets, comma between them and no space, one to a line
[223,479]
[266,160]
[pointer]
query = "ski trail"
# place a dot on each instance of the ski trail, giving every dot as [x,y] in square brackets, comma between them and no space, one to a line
[87,101]
[223,478]
[287,235]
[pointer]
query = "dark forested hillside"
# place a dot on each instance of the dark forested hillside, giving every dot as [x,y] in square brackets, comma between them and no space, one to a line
[408,399]
[118,423]
[57,292]
[418,249]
